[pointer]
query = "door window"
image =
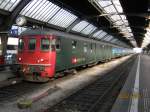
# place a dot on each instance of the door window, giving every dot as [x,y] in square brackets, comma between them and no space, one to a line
[45,44]
[32,44]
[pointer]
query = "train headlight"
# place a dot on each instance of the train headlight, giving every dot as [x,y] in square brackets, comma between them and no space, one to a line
[42,60]
[38,61]
[19,59]
[74,60]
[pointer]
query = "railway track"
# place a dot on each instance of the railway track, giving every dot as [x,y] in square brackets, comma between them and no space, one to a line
[13,92]
[98,96]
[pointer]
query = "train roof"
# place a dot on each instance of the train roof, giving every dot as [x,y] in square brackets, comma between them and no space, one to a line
[61,34]
[35,32]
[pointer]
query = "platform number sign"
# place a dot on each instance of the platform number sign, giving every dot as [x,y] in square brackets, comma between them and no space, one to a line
[13,32]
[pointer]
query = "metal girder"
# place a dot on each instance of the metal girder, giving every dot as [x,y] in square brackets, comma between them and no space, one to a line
[9,22]
[5,13]
[72,25]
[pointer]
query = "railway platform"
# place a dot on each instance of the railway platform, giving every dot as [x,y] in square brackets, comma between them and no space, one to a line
[135,95]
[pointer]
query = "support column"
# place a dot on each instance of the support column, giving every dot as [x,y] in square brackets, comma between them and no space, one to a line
[4,40]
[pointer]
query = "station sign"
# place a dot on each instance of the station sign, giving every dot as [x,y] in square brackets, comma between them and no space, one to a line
[13,32]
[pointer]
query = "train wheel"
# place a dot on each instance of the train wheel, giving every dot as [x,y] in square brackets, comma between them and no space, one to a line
[35,78]
[38,78]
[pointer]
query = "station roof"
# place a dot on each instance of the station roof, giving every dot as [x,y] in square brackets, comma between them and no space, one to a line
[121,22]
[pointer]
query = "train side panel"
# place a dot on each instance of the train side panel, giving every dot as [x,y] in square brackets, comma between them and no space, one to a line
[73,53]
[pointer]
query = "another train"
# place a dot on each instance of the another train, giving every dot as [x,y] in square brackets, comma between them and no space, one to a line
[43,53]
[1,60]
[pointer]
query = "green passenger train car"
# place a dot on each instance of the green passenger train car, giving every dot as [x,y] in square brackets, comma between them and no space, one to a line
[42,53]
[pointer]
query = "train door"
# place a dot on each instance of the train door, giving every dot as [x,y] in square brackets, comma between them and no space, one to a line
[59,55]
[85,52]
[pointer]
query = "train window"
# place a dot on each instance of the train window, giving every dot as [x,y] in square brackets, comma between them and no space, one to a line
[53,42]
[85,47]
[95,46]
[103,46]
[74,44]
[58,42]
[91,47]
[21,45]
[32,44]
[45,44]
[100,46]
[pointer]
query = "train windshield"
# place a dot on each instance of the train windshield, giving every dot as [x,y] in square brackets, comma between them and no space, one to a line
[21,45]
[48,44]
[45,44]
[32,44]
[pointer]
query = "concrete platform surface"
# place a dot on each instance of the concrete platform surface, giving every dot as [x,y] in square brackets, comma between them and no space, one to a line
[135,95]
[6,74]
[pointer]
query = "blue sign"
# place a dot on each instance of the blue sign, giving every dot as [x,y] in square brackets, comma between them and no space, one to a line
[13,32]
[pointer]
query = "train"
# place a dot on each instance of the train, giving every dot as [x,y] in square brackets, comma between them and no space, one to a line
[43,53]
[2,62]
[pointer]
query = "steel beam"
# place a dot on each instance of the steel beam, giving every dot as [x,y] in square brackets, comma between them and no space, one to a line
[5,13]
[72,25]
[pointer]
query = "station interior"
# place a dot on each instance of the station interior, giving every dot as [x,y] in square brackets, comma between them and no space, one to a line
[74,55]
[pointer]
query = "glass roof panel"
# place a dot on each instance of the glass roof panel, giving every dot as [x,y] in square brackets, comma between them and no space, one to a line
[80,26]
[119,9]
[51,10]
[126,22]
[115,17]
[41,10]
[106,38]
[118,5]
[129,29]
[110,9]
[104,3]
[8,5]
[45,10]
[124,29]
[114,8]
[148,32]
[96,34]
[123,17]
[30,7]
[89,29]
[118,23]
[63,19]
[114,40]
[37,8]
[110,38]
[102,35]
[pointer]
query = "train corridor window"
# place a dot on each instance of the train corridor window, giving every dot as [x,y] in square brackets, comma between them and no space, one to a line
[58,42]
[45,44]
[85,47]
[32,44]
[53,43]
[21,45]
[91,47]
[74,44]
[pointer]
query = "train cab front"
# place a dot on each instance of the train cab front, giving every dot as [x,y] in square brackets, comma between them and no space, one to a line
[37,57]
